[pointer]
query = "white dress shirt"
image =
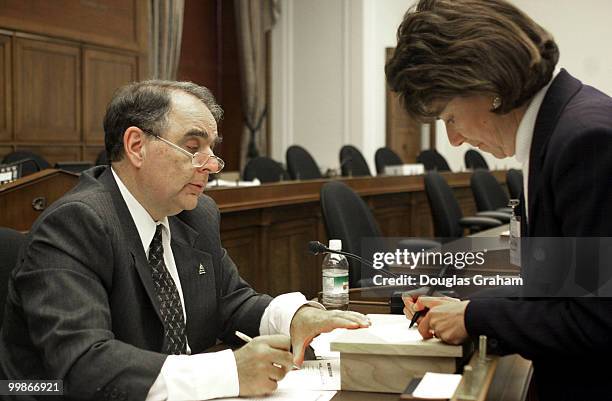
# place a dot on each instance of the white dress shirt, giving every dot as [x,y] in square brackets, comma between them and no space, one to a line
[524,137]
[209,375]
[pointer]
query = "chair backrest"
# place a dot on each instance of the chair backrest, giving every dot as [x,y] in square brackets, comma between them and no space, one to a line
[36,163]
[10,245]
[102,158]
[352,162]
[348,218]
[474,160]
[432,160]
[386,157]
[73,167]
[445,210]
[301,165]
[488,193]
[514,180]
[264,169]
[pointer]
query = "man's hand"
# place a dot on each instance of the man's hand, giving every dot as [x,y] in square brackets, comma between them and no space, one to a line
[308,322]
[261,363]
[445,319]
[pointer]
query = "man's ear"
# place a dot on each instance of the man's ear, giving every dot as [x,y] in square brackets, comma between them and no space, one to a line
[133,146]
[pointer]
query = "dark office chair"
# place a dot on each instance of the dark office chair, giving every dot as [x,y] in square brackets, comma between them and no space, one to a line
[31,162]
[348,218]
[102,158]
[474,160]
[352,162]
[73,167]
[514,180]
[10,244]
[488,193]
[432,160]
[446,213]
[301,165]
[264,169]
[386,157]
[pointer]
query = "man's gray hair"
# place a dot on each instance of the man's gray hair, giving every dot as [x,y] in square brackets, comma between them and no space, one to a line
[146,105]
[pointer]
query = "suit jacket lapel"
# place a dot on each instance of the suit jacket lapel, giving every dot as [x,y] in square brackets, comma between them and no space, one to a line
[196,274]
[133,241]
[521,211]
[563,88]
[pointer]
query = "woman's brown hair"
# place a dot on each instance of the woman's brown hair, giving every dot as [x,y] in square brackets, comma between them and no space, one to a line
[451,48]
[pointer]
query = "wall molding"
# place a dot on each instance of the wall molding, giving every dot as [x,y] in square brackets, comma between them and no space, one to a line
[282,135]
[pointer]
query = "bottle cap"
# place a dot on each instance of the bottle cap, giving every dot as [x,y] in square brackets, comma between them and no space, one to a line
[335,244]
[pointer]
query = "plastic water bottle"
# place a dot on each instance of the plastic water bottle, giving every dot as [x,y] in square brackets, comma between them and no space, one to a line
[335,278]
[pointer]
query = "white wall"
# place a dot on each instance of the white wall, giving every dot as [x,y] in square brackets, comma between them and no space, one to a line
[328,69]
[317,80]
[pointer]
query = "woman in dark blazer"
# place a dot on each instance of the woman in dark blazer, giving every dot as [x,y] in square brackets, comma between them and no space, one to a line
[489,72]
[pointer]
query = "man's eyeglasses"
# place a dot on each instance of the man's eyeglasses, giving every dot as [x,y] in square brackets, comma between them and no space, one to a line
[212,163]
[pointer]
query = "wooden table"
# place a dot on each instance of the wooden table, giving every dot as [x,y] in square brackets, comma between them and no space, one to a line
[23,200]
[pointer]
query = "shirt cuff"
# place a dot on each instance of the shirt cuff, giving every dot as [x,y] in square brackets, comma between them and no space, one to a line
[197,377]
[278,315]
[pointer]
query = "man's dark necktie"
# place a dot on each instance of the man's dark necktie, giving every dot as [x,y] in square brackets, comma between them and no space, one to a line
[171,308]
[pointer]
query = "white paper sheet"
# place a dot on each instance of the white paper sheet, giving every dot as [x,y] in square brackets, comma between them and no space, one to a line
[393,328]
[6,176]
[322,374]
[290,395]
[227,183]
[437,386]
[321,347]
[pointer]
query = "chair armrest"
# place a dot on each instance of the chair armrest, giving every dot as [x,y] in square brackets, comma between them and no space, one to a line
[418,244]
[503,217]
[476,223]
[504,210]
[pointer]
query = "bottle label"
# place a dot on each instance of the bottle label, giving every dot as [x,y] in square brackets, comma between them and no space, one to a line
[335,285]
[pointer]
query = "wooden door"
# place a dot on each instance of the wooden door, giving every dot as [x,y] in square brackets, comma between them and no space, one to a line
[403,132]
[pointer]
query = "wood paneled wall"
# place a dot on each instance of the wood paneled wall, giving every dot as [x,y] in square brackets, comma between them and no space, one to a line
[60,63]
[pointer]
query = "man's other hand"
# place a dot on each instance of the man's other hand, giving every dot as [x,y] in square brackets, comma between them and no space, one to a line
[308,322]
[262,363]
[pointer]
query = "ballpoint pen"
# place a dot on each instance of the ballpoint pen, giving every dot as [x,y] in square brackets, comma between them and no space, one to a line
[430,292]
[418,313]
[248,339]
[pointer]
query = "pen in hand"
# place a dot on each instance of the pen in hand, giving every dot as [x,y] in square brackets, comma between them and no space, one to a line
[248,339]
[421,312]
[429,293]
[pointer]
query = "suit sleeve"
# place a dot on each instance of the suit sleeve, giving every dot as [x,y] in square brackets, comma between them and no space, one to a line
[63,284]
[582,187]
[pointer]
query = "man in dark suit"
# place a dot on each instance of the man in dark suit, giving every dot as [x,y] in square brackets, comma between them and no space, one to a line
[488,71]
[124,283]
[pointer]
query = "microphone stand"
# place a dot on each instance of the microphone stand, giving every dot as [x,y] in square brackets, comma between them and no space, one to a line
[396,304]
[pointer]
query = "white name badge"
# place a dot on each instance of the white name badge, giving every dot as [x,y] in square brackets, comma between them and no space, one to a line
[515,241]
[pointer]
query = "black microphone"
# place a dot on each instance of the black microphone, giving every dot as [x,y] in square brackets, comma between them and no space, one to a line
[315,247]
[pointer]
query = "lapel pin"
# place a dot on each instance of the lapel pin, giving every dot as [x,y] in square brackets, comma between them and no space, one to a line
[201,269]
